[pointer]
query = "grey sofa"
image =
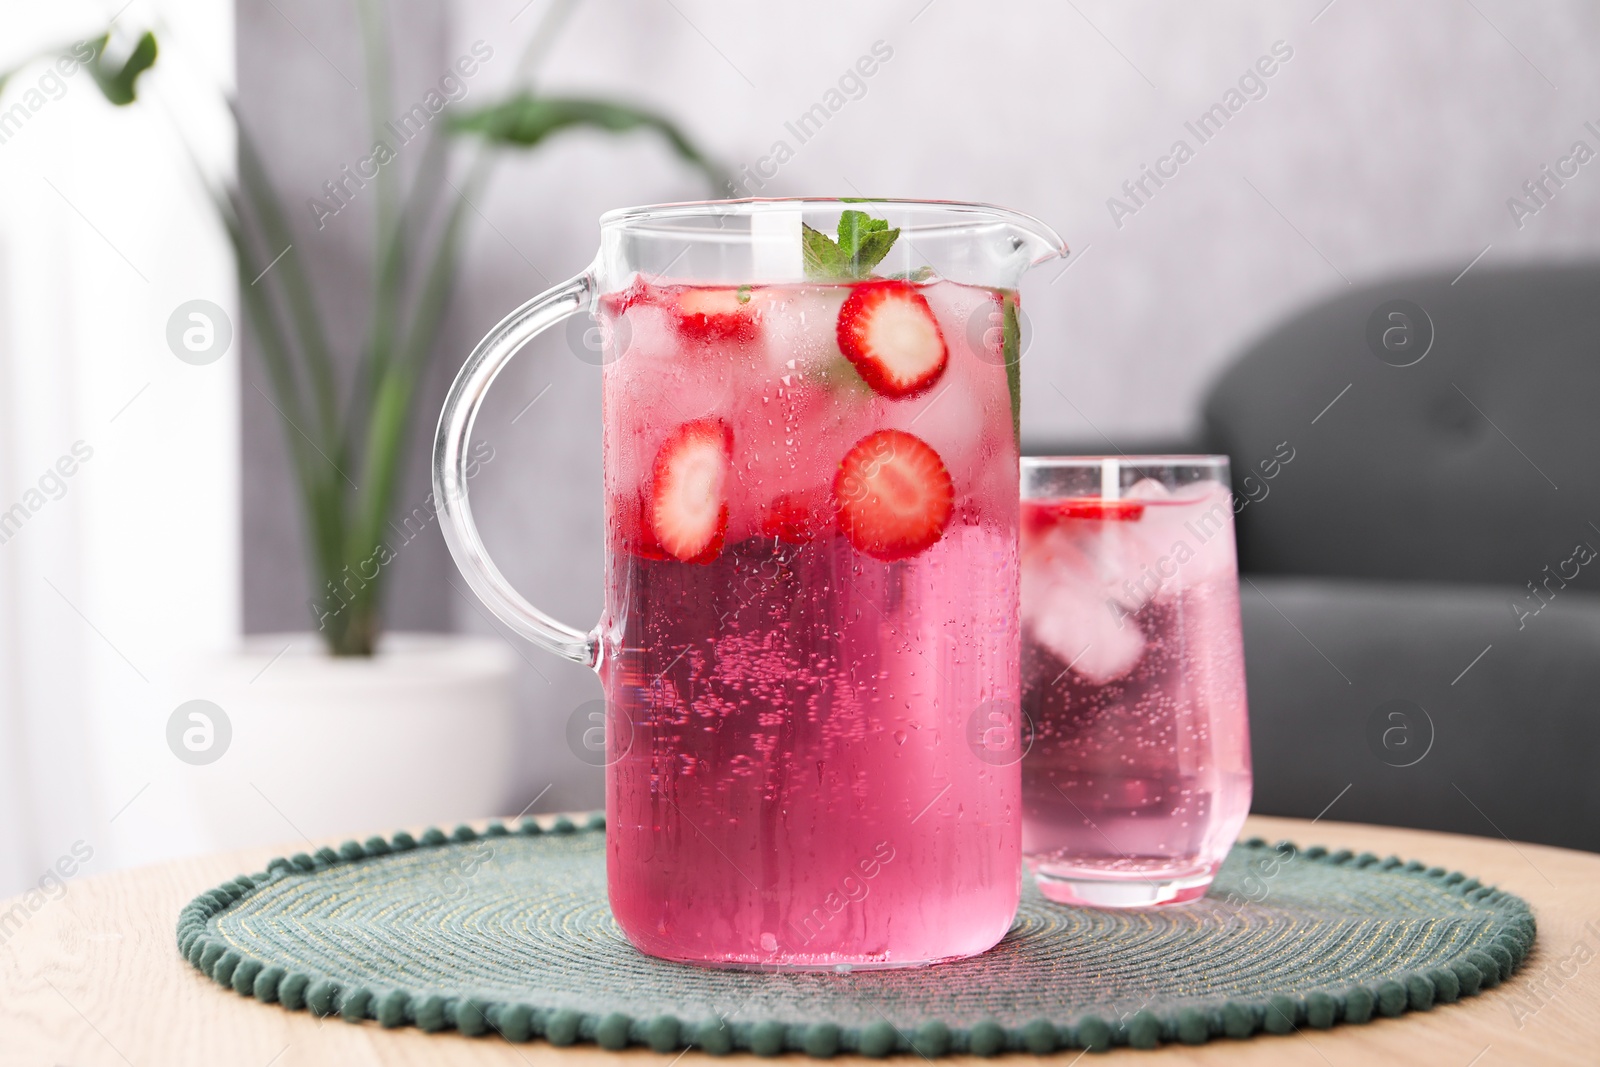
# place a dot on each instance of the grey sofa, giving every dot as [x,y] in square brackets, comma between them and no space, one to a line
[1421,584]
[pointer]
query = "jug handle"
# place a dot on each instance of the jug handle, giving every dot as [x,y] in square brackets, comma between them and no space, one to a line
[450,461]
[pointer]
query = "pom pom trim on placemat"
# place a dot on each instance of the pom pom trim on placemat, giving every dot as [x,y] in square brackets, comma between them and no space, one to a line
[1193,1023]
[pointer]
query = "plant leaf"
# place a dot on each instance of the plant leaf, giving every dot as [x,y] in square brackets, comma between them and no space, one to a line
[121,86]
[525,120]
[267,206]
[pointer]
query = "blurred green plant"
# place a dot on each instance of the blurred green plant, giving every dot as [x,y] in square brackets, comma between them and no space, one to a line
[346,443]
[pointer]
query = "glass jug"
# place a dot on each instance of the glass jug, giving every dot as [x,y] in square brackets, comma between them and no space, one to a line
[810,642]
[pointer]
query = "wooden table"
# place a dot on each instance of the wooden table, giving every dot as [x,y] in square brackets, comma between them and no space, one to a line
[95,978]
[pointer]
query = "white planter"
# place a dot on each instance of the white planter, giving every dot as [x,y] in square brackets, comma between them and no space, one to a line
[420,734]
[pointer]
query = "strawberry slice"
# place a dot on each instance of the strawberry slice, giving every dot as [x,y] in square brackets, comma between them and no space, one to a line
[893,495]
[617,303]
[887,330]
[796,518]
[688,504]
[630,519]
[1040,515]
[717,315]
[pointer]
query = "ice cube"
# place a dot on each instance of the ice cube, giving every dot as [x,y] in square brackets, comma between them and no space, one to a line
[1147,489]
[951,419]
[801,326]
[1068,606]
[1207,525]
[966,413]
[1179,541]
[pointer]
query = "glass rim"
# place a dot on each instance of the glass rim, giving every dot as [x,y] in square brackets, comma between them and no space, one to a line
[962,214]
[1164,460]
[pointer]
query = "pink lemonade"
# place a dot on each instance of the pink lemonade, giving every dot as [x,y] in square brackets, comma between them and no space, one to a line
[1138,778]
[812,529]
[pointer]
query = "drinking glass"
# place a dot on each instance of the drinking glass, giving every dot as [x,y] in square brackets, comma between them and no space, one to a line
[809,420]
[1137,780]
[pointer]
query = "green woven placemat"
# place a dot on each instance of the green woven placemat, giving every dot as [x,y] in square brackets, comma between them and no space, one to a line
[508,931]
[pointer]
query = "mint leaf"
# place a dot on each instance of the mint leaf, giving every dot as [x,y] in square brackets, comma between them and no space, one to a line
[854,226]
[870,252]
[862,244]
[1011,353]
[841,375]
[825,260]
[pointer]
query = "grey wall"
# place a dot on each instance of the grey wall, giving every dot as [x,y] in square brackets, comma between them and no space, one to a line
[1389,141]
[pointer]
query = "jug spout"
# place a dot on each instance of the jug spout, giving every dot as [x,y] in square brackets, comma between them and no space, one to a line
[981,244]
[1033,239]
[1031,243]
